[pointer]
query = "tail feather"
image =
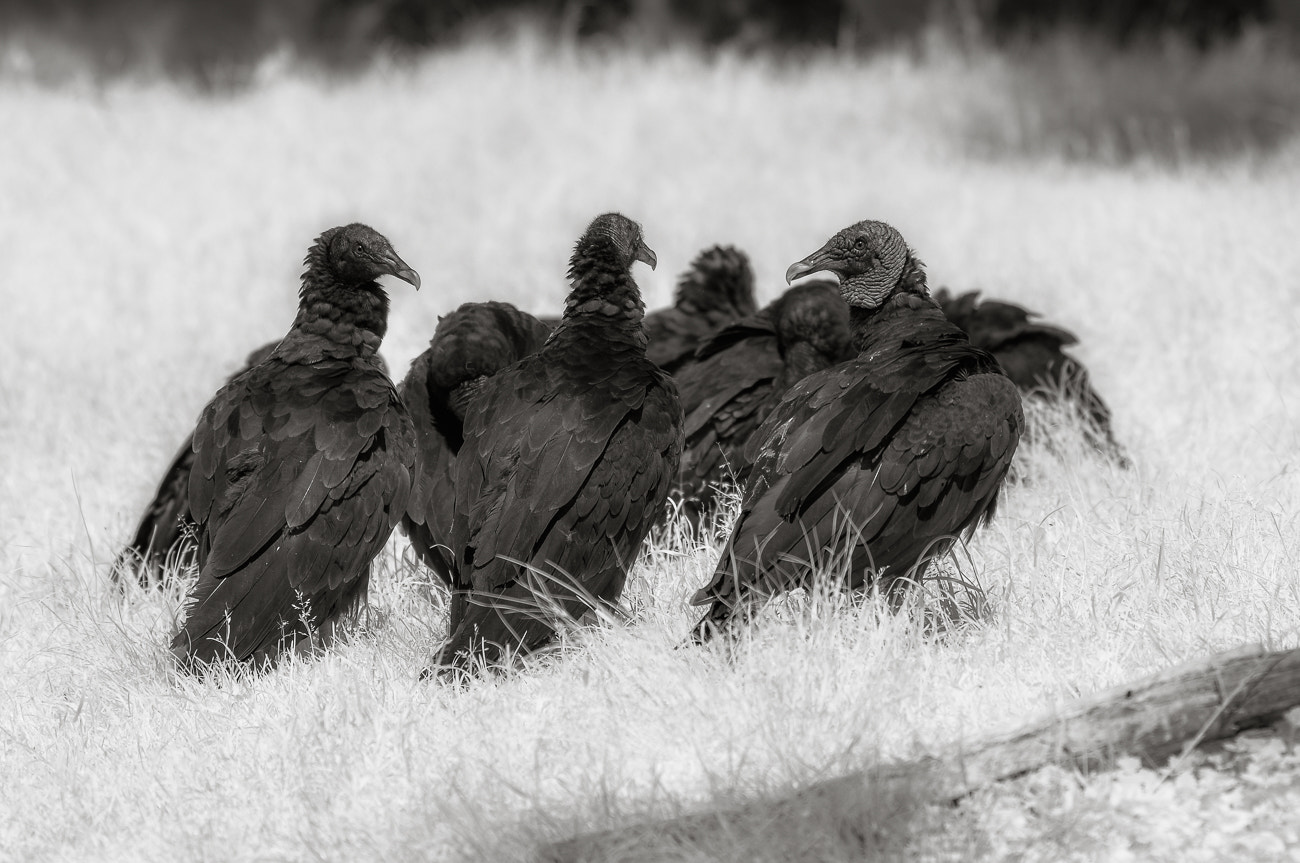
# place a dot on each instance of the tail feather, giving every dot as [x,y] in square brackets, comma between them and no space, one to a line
[255,615]
[166,531]
[492,627]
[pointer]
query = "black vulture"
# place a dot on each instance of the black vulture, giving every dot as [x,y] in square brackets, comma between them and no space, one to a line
[717,289]
[1032,353]
[302,467]
[876,464]
[567,460]
[740,374]
[164,538]
[469,345]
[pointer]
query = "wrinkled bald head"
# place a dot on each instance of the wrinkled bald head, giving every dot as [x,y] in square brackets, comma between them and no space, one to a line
[868,258]
[355,254]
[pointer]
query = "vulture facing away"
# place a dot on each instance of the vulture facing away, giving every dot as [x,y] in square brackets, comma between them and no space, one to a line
[468,346]
[717,289]
[1032,353]
[741,373]
[567,460]
[884,459]
[302,467]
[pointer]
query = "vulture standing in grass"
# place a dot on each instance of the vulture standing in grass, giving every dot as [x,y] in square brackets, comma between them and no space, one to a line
[1032,353]
[468,346]
[741,373]
[879,462]
[567,460]
[302,467]
[164,539]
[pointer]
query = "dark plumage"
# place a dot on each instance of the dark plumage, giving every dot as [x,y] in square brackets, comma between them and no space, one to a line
[163,541]
[164,538]
[887,457]
[568,457]
[302,466]
[717,289]
[469,345]
[741,373]
[1033,355]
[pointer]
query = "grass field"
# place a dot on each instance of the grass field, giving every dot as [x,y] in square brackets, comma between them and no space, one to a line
[153,238]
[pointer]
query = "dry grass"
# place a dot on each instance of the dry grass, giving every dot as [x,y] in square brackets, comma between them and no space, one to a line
[153,239]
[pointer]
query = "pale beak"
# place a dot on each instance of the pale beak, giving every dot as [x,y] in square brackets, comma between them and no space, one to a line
[399,268]
[817,262]
[646,255]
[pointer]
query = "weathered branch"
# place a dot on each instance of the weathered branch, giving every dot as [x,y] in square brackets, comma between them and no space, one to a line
[1163,715]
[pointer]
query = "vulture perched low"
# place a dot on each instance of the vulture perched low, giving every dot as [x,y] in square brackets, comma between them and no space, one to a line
[468,346]
[567,459]
[881,461]
[1032,353]
[302,467]
[741,373]
[164,538]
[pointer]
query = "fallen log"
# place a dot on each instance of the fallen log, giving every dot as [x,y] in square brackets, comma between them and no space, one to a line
[1167,714]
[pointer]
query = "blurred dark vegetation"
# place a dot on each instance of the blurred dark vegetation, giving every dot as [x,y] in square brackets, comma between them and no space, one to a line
[1103,80]
[216,43]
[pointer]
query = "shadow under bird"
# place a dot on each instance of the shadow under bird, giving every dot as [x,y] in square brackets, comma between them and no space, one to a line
[880,462]
[1033,355]
[302,467]
[740,374]
[567,459]
[468,346]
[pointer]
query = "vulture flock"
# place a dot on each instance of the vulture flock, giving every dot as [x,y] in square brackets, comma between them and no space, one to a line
[862,419]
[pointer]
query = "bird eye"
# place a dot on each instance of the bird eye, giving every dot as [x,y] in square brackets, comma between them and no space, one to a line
[361,248]
[860,244]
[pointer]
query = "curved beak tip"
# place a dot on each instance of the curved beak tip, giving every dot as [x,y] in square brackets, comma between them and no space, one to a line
[647,255]
[409,276]
[402,270]
[796,270]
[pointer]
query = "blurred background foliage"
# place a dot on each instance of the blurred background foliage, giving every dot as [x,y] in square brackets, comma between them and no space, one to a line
[1109,80]
[215,43]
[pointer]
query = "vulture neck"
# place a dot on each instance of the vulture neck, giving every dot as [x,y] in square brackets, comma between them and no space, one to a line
[604,304]
[908,314]
[343,320]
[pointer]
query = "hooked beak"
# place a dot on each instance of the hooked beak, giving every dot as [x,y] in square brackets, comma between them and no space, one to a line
[817,262]
[399,268]
[646,255]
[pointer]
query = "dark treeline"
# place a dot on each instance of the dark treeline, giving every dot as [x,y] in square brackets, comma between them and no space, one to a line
[214,39]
